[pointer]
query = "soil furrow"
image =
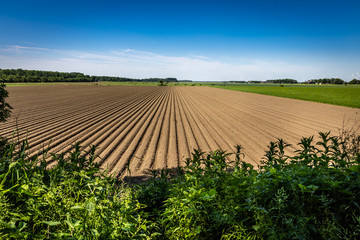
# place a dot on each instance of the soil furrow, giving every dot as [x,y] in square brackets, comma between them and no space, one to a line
[125,134]
[139,128]
[69,133]
[150,154]
[128,156]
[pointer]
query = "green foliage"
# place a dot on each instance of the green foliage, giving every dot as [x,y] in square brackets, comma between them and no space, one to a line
[72,200]
[285,80]
[328,81]
[5,108]
[354,81]
[312,194]
[161,82]
[209,199]
[5,111]
[20,75]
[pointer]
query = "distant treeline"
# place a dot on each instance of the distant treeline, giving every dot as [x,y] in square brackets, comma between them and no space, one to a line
[237,82]
[327,81]
[285,80]
[20,75]
[312,81]
[354,81]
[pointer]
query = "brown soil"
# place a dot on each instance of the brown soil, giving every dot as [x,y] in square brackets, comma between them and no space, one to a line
[157,127]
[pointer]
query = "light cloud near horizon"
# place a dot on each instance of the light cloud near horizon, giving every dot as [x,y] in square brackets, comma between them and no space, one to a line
[142,64]
[16,47]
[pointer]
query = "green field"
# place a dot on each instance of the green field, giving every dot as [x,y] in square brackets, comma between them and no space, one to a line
[348,95]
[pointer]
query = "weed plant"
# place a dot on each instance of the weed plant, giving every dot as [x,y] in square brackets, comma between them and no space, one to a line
[313,194]
[72,200]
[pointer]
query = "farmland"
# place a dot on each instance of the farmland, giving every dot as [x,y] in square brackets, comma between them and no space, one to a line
[343,95]
[137,128]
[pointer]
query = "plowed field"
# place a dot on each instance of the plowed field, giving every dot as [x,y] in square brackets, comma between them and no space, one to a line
[157,127]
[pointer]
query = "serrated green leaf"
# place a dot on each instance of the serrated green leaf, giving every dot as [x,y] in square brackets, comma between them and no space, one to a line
[272,170]
[355,168]
[256,227]
[51,223]
[77,207]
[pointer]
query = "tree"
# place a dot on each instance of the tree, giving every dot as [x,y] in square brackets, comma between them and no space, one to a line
[328,81]
[285,80]
[354,81]
[5,108]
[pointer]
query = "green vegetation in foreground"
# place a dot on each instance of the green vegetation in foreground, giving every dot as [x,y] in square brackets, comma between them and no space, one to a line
[314,194]
[344,95]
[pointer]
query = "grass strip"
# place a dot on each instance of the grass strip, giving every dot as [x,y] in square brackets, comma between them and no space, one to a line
[348,95]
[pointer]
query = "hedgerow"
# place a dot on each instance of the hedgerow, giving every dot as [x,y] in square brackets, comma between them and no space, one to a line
[312,194]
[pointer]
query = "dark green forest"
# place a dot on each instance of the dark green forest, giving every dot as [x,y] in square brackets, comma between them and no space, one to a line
[20,75]
[285,80]
[354,81]
[328,81]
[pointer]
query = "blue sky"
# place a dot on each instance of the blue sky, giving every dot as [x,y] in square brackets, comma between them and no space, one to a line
[198,40]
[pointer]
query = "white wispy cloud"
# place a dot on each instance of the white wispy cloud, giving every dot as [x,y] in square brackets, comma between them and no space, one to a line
[17,47]
[198,56]
[142,64]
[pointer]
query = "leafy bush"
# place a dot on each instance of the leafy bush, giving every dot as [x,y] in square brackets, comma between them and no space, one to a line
[5,111]
[313,194]
[5,108]
[72,200]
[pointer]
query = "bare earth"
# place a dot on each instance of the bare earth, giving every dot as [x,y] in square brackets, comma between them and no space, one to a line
[157,127]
